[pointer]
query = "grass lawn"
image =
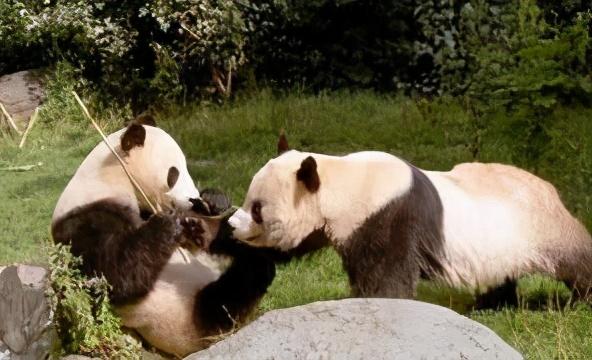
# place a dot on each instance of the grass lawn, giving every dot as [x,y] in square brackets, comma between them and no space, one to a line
[225,145]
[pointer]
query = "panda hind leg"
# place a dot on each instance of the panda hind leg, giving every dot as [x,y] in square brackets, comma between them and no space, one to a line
[579,282]
[498,296]
[573,266]
[223,304]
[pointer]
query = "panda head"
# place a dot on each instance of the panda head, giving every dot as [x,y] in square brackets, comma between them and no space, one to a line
[158,164]
[282,206]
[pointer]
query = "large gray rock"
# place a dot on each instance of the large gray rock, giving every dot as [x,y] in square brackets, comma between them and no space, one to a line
[362,329]
[25,328]
[21,93]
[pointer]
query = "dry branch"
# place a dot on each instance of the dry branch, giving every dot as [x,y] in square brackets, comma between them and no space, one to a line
[229,80]
[29,126]
[21,168]
[9,119]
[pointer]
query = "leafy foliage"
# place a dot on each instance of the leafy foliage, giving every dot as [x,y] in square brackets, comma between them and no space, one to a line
[527,70]
[534,63]
[83,317]
[332,43]
[137,49]
[168,49]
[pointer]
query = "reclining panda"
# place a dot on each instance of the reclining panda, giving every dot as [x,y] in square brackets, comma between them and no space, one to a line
[478,225]
[171,297]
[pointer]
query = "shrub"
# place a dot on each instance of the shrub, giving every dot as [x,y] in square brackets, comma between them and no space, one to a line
[167,49]
[82,314]
[534,63]
[425,47]
[138,50]
[526,70]
[332,43]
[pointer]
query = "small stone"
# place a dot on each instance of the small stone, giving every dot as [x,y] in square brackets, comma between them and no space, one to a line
[33,276]
[362,329]
[4,352]
[25,327]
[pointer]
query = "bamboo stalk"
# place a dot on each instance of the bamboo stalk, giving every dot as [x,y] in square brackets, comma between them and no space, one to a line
[220,85]
[106,141]
[9,119]
[29,126]
[21,168]
[194,35]
[229,79]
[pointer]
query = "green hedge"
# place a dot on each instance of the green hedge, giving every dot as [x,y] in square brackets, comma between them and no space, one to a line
[138,50]
[503,52]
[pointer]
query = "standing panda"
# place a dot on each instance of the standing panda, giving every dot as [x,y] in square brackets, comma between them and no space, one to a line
[171,297]
[478,225]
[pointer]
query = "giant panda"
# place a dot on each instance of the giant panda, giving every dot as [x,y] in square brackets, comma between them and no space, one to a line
[175,299]
[478,225]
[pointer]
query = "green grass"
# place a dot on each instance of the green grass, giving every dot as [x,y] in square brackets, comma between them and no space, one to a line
[225,145]
[57,144]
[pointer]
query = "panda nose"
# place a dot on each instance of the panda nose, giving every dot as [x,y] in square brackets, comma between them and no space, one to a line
[244,227]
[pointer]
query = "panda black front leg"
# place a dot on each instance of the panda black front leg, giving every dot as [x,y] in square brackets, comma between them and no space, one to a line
[112,242]
[234,295]
[140,256]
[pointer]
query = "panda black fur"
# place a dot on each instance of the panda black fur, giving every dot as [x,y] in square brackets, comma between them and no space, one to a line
[173,298]
[478,225]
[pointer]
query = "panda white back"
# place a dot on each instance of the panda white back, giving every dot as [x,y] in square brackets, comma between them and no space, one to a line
[502,222]
[480,252]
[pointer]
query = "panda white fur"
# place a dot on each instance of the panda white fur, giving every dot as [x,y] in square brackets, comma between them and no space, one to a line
[174,301]
[478,225]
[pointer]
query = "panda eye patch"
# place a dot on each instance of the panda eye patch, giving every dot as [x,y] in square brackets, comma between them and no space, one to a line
[172,177]
[256,212]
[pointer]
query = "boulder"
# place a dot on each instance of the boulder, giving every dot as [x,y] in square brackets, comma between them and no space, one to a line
[362,329]
[25,329]
[21,93]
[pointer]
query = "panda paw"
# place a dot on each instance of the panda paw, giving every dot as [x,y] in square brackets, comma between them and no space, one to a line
[167,224]
[193,231]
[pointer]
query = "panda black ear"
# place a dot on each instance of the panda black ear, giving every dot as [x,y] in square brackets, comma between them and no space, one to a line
[133,136]
[282,145]
[308,174]
[145,119]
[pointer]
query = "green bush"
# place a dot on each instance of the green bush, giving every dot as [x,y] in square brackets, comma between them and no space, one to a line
[534,63]
[82,315]
[138,50]
[332,43]
[525,71]
[499,51]
[423,47]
